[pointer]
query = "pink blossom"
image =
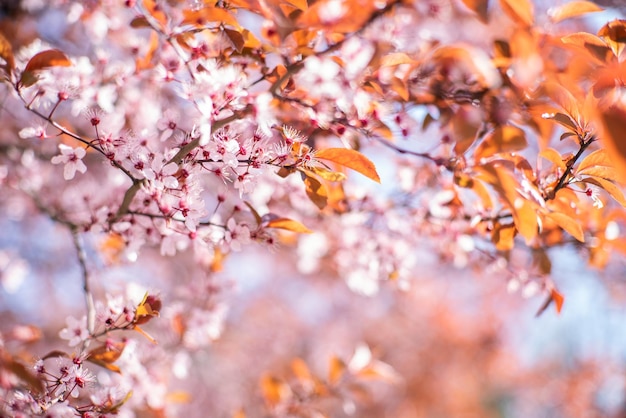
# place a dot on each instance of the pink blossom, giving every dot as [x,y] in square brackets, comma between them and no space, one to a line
[38,131]
[72,158]
[236,235]
[76,330]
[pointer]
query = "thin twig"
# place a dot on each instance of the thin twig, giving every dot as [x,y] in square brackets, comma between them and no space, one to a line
[82,260]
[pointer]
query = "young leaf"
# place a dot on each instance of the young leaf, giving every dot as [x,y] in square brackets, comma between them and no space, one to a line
[145,62]
[299,4]
[301,370]
[55,354]
[336,370]
[351,159]
[6,53]
[615,192]
[236,38]
[106,355]
[571,225]
[274,390]
[595,46]
[555,297]
[144,333]
[257,217]
[520,11]
[614,124]
[506,185]
[503,236]
[396,58]
[562,119]
[21,372]
[326,174]
[209,14]
[288,225]
[481,191]
[502,139]
[614,34]
[572,9]
[558,299]
[147,309]
[597,164]
[44,59]
[316,191]
[479,7]
[554,157]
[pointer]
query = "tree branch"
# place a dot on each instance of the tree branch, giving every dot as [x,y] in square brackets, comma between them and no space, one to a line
[82,260]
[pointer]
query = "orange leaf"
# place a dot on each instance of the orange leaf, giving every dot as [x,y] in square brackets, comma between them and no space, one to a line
[316,191]
[156,11]
[145,334]
[554,157]
[301,370]
[209,14]
[479,7]
[240,414]
[503,236]
[614,34]
[17,370]
[274,390]
[147,309]
[6,53]
[217,263]
[396,58]
[250,41]
[562,119]
[505,184]
[573,9]
[380,371]
[520,11]
[558,299]
[326,174]
[597,164]
[481,191]
[236,38]
[614,124]
[139,22]
[49,58]
[179,396]
[564,98]
[595,46]
[298,4]
[44,59]
[571,225]
[336,369]
[351,159]
[106,355]
[289,225]
[145,62]
[615,192]
[555,297]
[503,139]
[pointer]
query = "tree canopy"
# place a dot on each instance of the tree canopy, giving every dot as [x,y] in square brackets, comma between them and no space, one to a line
[300,208]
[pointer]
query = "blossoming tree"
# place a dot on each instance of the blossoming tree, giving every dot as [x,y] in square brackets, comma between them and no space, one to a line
[371,141]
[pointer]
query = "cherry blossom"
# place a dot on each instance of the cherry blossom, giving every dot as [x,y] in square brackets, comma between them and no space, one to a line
[72,158]
[76,331]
